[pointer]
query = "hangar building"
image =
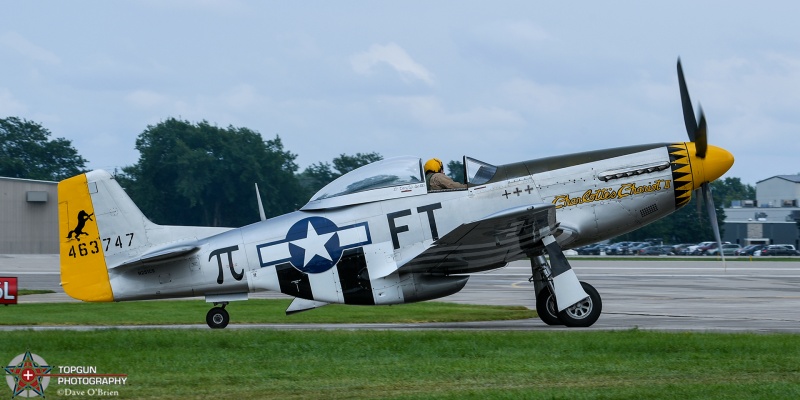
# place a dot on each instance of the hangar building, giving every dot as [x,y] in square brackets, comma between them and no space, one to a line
[771,219]
[28,216]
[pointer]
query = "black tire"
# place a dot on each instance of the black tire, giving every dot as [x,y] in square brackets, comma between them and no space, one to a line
[217,318]
[546,308]
[584,313]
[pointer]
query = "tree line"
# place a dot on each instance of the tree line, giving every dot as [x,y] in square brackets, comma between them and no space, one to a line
[202,174]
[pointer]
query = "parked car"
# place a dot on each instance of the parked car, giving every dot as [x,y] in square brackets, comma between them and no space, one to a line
[618,248]
[636,246]
[701,250]
[693,248]
[681,248]
[582,250]
[600,249]
[727,249]
[664,250]
[750,249]
[591,250]
[779,250]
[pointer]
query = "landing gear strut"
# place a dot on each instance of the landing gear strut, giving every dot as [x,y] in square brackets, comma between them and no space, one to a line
[543,287]
[550,282]
[546,308]
[217,317]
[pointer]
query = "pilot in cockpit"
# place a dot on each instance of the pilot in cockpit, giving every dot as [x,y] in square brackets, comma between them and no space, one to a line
[436,179]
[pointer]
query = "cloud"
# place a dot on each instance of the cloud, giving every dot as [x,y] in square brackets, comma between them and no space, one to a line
[428,111]
[393,56]
[520,44]
[237,97]
[25,47]
[231,106]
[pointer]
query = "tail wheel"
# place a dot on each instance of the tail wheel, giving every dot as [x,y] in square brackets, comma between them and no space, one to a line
[546,307]
[217,318]
[585,312]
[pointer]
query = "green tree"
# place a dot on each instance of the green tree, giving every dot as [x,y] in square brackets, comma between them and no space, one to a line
[319,174]
[730,189]
[455,170]
[344,163]
[201,174]
[795,216]
[689,224]
[27,152]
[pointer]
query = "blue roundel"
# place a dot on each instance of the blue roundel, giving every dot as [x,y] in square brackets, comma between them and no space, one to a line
[314,245]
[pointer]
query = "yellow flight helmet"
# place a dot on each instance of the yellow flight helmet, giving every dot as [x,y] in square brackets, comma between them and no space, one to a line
[434,165]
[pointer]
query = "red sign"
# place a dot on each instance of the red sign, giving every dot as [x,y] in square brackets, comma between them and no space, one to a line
[8,290]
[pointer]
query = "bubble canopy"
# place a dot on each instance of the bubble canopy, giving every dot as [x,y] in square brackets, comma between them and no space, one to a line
[390,178]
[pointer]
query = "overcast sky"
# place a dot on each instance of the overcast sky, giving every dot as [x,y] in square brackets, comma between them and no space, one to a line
[500,81]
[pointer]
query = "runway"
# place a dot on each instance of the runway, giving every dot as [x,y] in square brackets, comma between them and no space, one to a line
[668,294]
[674,295]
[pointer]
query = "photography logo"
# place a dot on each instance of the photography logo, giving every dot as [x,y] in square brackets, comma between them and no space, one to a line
[27,375]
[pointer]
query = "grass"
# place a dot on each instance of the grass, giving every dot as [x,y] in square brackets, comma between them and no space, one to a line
[263,364]
[255,311]
[23,292]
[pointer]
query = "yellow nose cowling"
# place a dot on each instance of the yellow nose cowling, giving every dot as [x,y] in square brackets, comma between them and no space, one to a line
[715,164]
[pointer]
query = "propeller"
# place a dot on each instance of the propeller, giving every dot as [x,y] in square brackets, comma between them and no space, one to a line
[698,134]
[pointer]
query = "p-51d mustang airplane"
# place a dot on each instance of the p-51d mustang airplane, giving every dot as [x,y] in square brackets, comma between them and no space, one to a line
[377,235]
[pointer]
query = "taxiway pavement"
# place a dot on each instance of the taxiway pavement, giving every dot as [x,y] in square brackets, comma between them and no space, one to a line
[669,294]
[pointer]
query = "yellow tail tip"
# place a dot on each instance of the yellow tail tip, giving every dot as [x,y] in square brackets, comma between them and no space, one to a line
[84,275]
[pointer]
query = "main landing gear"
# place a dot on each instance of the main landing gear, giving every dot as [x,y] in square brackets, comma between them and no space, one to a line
[217,317]
[560,279]
[581,314]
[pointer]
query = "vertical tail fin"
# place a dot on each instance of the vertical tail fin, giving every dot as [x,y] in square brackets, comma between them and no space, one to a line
[84,274]
[100,228]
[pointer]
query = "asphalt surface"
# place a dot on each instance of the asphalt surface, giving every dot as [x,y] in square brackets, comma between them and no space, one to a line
[667,294]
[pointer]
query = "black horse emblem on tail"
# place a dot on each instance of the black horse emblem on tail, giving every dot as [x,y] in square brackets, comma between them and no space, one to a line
[78,231]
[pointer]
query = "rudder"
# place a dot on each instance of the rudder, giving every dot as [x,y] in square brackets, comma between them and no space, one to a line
[84,275]
[100,228]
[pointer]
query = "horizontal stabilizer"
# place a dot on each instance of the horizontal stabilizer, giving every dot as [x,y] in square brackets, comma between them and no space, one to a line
[299,305]
[162,254]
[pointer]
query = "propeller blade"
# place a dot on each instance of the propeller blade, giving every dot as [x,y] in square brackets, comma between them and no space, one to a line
[686,102]
[700,137]
[712,216]
[698,194]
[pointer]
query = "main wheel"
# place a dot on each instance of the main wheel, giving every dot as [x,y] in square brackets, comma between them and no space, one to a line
[585,312]
[546,307]
[217,318]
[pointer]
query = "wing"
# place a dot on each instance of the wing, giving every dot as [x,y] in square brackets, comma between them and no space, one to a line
[488,243]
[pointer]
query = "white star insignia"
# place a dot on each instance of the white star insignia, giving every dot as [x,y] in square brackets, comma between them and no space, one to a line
[314,244]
